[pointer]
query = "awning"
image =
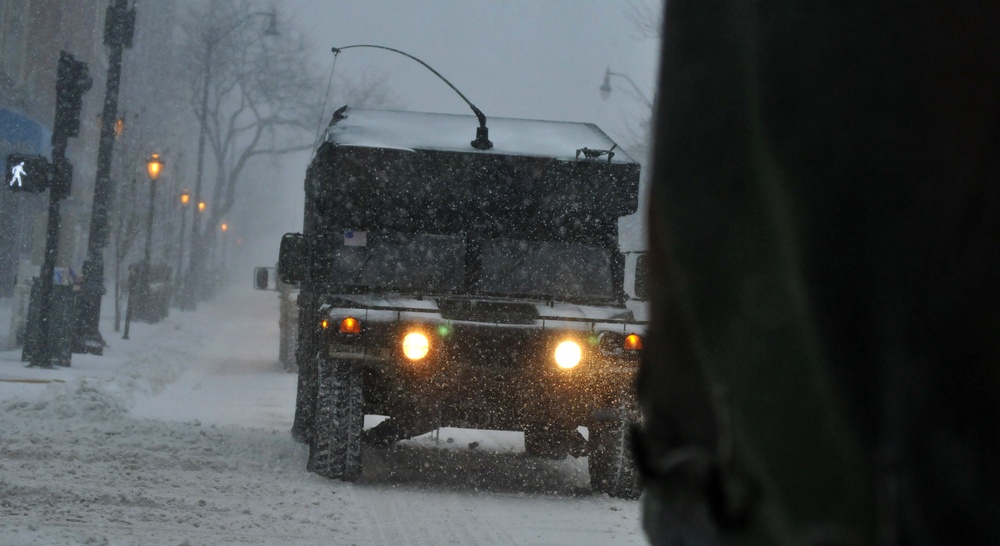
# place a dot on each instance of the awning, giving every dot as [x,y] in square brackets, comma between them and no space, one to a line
[22,134]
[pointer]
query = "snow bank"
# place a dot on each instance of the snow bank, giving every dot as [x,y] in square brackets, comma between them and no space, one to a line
[89,398]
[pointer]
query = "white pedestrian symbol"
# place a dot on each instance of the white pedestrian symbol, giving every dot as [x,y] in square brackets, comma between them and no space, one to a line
[17,171]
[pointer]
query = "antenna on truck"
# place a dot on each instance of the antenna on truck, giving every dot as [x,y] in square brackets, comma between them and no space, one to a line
[482,141]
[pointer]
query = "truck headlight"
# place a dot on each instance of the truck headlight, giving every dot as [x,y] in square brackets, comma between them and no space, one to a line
[568,354]
[416,345]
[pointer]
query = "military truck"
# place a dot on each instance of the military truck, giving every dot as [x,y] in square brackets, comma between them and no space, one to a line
[442,284]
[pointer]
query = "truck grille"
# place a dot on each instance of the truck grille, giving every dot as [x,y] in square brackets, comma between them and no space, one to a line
[493,347]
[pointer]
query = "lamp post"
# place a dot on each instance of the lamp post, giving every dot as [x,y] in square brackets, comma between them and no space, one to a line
[606,87]
[211,38]
[224,230]
[138,281]
[185,199]
[153,168]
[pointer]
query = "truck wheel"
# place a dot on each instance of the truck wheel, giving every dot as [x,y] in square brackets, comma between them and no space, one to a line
[305,401]
[335,449]
[611,461]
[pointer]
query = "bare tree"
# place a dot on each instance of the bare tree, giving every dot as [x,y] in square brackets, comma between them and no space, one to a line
[254,97]
[126,210]
[369,90]
[647,16]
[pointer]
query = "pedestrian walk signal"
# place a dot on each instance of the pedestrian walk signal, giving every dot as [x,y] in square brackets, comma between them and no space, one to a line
[30,173]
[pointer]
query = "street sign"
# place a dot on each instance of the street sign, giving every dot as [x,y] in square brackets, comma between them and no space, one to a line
[30,173]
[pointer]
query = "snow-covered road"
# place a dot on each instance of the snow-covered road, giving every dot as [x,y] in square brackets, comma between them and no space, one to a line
[179,436]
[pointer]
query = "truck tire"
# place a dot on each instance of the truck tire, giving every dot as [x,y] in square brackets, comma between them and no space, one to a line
[305,402]
[610,459]
[335,448]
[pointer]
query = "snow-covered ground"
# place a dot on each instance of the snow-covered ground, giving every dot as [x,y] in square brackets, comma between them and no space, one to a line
[179,436]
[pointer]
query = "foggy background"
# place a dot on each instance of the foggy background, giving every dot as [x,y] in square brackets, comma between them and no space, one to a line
[522,58]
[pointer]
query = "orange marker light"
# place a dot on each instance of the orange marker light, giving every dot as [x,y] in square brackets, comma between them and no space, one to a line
[633,342]
[324,324]
[350,325]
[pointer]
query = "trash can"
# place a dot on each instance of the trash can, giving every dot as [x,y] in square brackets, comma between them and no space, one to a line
[150,294]
[62,313]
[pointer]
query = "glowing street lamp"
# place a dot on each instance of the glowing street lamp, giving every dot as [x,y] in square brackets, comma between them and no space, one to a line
[185,200]
[154,166]
[223,230]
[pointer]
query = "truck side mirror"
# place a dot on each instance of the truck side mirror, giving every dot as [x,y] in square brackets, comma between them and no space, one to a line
[641,275]
[264,278]
[292,258]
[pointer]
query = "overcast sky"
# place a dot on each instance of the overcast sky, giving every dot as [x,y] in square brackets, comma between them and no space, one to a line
[517,58]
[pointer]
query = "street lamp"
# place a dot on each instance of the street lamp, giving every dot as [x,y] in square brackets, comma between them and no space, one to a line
[224,229]
[185,200]
[138,281]
[153,167]
[606,87]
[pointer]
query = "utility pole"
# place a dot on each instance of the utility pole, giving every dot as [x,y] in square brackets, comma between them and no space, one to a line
[119,26]
[72,81]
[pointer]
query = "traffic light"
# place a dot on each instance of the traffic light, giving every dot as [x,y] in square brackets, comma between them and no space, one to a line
[119,25]
[72,81]
[30,173]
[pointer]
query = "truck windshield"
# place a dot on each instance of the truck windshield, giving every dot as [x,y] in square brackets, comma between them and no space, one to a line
[427,263]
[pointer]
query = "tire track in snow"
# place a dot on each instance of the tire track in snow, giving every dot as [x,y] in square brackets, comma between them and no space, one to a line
[418,517]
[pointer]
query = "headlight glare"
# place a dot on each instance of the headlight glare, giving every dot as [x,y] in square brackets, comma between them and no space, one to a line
[416,345]
[568,354]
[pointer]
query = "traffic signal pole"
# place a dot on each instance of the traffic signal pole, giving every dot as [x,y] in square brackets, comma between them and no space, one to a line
[118,31]
[41,356]
[72,82]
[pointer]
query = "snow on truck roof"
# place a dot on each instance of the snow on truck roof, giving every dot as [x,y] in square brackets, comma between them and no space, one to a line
[451,132]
